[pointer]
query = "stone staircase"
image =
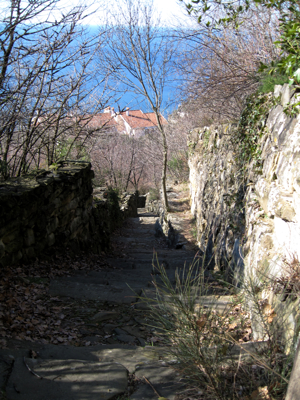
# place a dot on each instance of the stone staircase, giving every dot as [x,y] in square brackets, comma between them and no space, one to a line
[121,359]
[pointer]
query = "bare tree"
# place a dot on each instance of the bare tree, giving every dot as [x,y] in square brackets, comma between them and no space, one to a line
[119,160]
[220,64]
[139,55]
[45,82]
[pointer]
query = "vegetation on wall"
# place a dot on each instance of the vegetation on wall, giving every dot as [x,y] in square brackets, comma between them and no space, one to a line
[250,129]
[268,81]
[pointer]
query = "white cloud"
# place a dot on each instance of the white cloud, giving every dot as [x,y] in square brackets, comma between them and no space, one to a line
[171,11]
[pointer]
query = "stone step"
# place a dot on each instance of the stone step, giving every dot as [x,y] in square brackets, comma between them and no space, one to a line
[90,291]
[144,255]
[106,284]
[66,380]
[99,372]
[220,304]
[90,373]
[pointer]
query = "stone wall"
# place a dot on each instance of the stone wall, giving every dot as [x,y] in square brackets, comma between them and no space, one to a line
[48,210]
[217,193]
[248,221]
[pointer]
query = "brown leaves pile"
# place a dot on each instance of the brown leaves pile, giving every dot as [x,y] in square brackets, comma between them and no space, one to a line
[236,322]
[27,312]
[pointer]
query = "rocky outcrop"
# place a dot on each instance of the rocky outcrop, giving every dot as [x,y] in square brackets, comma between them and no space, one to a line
[56,209]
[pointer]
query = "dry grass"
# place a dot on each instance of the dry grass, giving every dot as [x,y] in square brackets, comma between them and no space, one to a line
[207,343]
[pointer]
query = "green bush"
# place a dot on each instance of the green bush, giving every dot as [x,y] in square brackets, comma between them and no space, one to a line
[153,194]
[268,81]
[251,127]
[178,166]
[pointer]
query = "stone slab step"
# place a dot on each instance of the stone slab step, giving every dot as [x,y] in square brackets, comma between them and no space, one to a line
[142,231]
[66,380]
[120,279]
[127,355]
[175,257]
[143,220]
[217,303]
[102,293]
[138,240]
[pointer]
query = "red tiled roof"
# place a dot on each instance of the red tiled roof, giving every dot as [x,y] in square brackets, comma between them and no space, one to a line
[152,117]
[103,119]
[137,119]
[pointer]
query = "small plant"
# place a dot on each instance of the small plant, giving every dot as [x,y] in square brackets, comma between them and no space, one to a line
[289,283]
[194,229]
[207,340]
[206,136]
[54,166]
[268,81]
[153,194]
[252,126]
[178,165]
[292,110]
[4,169]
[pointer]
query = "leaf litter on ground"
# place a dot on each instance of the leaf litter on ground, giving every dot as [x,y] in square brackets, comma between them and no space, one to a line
[28,312]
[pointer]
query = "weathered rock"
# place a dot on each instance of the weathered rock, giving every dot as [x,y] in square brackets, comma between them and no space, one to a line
[164,379]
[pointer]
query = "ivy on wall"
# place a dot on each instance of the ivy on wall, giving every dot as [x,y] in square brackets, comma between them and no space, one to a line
[252,126]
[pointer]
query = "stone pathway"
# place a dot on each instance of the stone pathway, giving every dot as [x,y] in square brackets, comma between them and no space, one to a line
[121,348]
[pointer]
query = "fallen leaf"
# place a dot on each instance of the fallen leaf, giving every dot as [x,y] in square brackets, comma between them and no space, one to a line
[33,354]
[232,326]
[201,322]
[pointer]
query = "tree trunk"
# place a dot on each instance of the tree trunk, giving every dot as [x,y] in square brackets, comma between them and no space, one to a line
[164,179]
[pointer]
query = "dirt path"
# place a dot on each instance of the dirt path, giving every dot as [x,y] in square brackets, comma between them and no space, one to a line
[181,217]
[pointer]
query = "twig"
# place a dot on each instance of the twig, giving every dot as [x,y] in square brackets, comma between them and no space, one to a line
[16,389]
[256,358]
[30,370]
[238,367]
[155,391]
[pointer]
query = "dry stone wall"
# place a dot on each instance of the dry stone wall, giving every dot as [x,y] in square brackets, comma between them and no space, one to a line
[248,220]
[217,192]
[48,210]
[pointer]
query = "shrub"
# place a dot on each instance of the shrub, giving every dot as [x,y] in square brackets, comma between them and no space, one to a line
[206,333]
[153,194]
[178,166]
[268,81]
